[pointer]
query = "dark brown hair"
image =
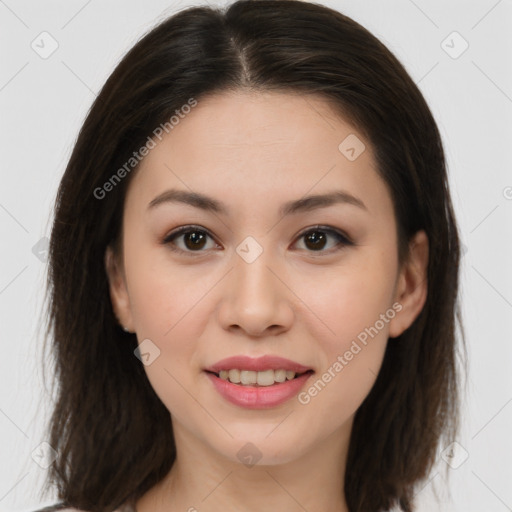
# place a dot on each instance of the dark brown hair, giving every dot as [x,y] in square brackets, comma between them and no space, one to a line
[111,431]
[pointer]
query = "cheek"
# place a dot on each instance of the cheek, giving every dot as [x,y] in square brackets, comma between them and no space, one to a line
[167,304]
[165,297]
[337,392]
[344,302]
[353,308]
[173,324]
[351,358]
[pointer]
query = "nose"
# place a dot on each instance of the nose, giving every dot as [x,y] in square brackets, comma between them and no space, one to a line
[255,298]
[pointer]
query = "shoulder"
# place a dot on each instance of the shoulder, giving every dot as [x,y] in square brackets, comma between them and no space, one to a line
[60,507]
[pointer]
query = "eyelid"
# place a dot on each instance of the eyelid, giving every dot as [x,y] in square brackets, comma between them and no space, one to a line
[184,229]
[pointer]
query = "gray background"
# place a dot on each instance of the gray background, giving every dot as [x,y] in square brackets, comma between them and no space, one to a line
[43,102]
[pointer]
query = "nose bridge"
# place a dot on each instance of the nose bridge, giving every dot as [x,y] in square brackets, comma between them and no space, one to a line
[252,276]
[256,299]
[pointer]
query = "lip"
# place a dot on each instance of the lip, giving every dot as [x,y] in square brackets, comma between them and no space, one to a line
[258,364]
[261,397]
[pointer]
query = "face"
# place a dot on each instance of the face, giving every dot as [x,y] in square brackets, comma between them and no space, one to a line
[318,284]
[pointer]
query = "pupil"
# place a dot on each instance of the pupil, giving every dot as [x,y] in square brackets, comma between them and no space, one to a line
[196,239]
[315,240]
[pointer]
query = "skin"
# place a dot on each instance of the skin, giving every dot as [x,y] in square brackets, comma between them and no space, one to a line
[253,152]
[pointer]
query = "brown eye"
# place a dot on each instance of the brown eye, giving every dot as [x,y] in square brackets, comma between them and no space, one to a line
[317,239]
[193,239]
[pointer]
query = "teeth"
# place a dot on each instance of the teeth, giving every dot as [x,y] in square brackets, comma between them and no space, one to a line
[248,377]
[279,375]
[234,376]
[251,378]
[265,378]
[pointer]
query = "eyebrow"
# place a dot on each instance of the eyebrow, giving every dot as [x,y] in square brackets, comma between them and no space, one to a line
[303,204]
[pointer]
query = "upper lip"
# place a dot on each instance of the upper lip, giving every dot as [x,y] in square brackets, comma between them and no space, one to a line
[266,362]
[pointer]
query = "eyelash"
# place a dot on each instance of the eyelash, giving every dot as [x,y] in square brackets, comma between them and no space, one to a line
[343,239]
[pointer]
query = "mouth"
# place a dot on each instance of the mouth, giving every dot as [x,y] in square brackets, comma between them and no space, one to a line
[255,379]
[258,390]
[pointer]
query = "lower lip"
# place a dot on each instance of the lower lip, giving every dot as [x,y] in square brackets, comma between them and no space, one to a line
[261,397]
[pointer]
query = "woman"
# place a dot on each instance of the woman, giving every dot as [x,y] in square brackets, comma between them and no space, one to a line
[253,274]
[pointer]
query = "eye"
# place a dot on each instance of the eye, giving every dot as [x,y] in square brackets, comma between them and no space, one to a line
[316,239]
[194,239]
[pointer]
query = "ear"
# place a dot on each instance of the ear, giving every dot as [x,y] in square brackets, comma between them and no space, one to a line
[118,290]
[412,285]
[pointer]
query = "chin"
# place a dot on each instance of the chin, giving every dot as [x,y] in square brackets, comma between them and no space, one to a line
[260,449]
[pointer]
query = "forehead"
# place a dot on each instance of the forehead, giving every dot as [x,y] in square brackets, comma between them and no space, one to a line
[240,121]
[249,144]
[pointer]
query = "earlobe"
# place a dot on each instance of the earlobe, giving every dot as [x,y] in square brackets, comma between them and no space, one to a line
[412,287]
[118,291]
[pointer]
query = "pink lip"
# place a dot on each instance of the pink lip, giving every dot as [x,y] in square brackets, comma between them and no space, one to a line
[258,364]
[261,397]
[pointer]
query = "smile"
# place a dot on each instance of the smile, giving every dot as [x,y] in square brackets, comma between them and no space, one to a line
[258,396]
